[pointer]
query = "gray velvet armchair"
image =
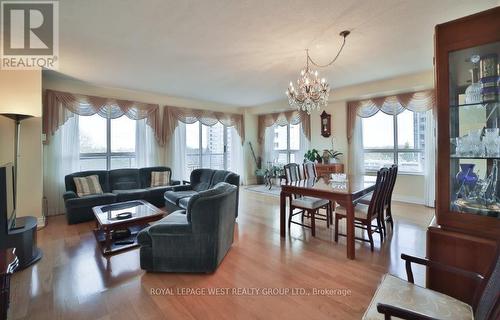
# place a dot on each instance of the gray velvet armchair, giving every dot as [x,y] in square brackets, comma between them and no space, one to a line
[195,240]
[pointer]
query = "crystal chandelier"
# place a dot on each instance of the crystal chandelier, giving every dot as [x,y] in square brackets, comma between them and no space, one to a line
[311,92]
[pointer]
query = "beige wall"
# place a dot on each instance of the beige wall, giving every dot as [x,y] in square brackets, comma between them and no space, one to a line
[408,187]
[20,92]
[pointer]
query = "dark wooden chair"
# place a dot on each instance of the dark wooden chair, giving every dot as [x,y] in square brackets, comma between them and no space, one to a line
[404,300]
[365,214]
[307,206]
[386,214]
[310,172]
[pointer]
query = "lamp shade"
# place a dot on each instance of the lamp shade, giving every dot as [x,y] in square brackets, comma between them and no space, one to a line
[16,116]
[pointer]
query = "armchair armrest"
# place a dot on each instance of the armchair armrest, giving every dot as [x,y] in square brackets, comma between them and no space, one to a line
[393,311]
[183,187]
[69,195]
[476,277]
[174,223]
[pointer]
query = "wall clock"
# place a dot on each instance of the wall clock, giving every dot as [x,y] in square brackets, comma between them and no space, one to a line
[326,120]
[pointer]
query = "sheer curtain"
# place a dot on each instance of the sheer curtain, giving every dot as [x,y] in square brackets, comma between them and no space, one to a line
[304,146]
[236,154]
[356,151]
[146,147]
[270,155]
[176,156]
[61,157]
[430,159]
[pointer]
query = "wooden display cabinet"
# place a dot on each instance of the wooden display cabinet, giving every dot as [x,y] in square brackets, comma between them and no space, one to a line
[466,229]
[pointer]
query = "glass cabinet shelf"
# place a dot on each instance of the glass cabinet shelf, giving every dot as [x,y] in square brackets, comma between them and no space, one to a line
[454,156]
[474,132]
[482,104]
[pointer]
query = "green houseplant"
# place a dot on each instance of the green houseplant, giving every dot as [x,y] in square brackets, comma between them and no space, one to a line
[313,155]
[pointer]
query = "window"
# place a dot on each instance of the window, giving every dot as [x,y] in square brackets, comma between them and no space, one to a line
[399,139]
[287,143]
[208,147]
[106,143]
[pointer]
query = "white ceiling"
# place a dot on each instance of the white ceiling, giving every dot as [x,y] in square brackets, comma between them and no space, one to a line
[245,52]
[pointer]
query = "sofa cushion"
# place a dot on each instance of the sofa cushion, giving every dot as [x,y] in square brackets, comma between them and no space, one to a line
[201,178]
[91,201]
[102,174]
[145,174]
[86,186]
[175,196]
[124,179]
[400,293]
[160,178]
[130,194]
[219,176]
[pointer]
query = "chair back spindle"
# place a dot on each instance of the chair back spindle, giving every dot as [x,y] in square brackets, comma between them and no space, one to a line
[310,170]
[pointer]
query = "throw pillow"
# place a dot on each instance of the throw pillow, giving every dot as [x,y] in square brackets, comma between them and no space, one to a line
[86,186]
[160,178]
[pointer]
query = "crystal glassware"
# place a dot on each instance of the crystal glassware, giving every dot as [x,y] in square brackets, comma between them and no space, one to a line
[473,91]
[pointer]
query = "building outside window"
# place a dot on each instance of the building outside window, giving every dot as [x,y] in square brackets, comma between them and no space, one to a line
[399,139]
[106,144]
[208,147]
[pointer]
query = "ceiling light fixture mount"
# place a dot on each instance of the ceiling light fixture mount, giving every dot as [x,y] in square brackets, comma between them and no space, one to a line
[312,92]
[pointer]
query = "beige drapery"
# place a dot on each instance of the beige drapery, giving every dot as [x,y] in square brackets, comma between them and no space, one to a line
[283,119]
[419,101]
[171,116]
[60,106]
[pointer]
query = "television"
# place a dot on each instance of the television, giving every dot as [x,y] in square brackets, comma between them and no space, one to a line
[7,197]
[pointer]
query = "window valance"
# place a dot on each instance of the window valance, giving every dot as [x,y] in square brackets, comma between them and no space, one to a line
[419,101]
[171,116]
[283,119]
[60,106]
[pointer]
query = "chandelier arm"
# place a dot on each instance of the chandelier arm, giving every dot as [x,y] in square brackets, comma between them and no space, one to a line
[344,34]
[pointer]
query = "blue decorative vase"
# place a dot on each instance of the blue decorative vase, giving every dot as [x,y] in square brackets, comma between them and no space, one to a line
[466,175]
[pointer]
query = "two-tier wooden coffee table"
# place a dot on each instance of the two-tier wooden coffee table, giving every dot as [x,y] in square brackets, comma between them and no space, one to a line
[107,224]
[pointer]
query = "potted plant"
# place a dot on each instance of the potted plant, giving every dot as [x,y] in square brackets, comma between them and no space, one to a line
[331,156]
[313,156]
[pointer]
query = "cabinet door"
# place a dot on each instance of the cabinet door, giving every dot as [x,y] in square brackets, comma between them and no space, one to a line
[468,115]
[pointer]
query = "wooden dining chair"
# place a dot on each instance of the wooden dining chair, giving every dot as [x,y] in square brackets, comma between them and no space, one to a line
[310,172]
[307,206]
[365,214]
[386,213]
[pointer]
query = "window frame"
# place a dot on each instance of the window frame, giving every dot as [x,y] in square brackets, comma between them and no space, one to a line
[288,151]
[395,151]
[225,152]
[108,154]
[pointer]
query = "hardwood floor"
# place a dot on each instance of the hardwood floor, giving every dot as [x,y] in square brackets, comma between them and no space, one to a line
[73,280]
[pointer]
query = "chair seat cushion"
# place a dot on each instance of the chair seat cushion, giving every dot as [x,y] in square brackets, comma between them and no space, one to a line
[360,211]
[400,293]
[309,202]
[175,196]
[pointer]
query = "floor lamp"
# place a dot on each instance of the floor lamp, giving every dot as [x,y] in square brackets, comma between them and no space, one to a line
[17,117]
[22,235]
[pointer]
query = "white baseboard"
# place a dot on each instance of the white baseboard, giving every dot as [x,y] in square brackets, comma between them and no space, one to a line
[408,199]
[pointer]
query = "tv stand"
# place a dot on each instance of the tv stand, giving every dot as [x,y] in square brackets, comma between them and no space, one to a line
[24,240]
[16,225]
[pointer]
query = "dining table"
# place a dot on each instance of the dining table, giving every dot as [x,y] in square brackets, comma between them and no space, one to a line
[344,190]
